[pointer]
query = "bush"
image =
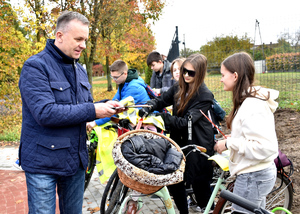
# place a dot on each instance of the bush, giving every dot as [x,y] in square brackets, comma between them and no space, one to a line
[148,74]
[285,62]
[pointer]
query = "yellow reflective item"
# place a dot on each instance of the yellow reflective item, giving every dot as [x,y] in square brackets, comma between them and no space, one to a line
[222,160]
[155,120]
[104,161]
[127,101]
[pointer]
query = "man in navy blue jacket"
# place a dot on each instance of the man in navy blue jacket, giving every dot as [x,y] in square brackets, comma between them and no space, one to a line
[57,104]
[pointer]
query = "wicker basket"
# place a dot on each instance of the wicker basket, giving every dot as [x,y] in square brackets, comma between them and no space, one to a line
[138,179]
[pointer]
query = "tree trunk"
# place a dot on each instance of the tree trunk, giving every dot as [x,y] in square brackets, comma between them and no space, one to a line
[109,86]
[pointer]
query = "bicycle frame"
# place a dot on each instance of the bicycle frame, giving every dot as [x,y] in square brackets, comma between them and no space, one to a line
[218,186]
[162,193]
[246,204]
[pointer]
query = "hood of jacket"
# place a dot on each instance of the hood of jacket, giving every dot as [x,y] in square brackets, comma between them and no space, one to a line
[264,93]
[167,66]
[132,74]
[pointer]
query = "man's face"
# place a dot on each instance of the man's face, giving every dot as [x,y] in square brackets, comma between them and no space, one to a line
[157,66]
[73,40]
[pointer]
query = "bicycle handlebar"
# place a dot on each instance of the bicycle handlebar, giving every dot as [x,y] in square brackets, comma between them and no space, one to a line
[195,148]
[242,202]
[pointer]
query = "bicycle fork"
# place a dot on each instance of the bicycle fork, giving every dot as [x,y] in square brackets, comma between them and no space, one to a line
[162,193]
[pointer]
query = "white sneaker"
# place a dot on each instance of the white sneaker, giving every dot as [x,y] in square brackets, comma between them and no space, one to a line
[17,165]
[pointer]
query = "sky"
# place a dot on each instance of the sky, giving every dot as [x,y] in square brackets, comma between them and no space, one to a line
[200,21]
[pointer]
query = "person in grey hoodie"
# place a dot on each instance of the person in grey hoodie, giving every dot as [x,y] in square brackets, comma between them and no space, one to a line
[253,143]
[161,79]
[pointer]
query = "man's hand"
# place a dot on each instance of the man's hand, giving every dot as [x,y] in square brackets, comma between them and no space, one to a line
[106,109]
[117,104]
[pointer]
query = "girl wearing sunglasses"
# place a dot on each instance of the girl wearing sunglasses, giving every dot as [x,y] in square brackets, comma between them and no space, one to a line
[188,126]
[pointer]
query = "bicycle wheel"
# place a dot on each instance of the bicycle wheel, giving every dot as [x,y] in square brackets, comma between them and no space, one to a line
[91,164]
[280,196]
[223,206]
[113,195]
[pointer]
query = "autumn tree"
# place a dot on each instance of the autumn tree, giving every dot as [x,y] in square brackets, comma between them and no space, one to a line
[187,52]
[138,44]
[14,50]
[115,28]
[221,47]
[112,24]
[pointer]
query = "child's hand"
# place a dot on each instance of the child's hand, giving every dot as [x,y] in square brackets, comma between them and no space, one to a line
[220,146]
[90,126]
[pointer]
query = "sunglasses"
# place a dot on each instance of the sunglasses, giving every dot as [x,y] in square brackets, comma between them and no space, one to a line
[190,72]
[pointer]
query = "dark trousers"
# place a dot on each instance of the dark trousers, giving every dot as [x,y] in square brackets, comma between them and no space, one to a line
[180,198]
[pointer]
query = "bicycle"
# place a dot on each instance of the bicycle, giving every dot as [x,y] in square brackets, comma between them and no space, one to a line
[246,204]
[114,201]
[280,196]
[92,143]
[115,192]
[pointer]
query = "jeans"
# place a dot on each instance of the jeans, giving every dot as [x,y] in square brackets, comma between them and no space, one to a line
[255,186]
[41,189]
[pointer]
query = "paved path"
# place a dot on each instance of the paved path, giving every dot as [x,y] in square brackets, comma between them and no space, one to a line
[13,191]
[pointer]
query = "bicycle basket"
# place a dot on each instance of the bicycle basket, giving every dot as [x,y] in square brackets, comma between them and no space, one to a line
[138,179]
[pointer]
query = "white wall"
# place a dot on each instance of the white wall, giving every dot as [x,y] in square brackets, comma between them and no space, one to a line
[260,66]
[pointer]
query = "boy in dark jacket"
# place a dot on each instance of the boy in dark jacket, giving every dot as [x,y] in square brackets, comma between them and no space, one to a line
[161,79]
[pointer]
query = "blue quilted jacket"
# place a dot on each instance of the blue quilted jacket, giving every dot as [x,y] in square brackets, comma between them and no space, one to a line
[56,105]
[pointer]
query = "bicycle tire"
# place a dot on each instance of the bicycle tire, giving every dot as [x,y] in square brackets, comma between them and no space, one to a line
[91,165]
[279,197]
[113,195]
[282,193]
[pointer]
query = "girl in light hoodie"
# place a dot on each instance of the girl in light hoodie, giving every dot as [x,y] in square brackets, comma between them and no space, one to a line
[253,143]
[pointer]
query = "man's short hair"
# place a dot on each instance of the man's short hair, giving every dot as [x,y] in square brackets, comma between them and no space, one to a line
[118,65]
[154,57]
[66,17]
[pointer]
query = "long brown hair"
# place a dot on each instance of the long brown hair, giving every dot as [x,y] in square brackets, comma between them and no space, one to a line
[187,91]
[243,65]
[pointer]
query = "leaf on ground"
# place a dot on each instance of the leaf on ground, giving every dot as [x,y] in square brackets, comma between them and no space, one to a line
[19,201]
[93,210]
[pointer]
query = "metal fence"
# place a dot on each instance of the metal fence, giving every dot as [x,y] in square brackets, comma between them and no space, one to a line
[287,82]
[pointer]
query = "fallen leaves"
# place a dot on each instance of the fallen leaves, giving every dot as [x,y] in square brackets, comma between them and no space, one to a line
[19,201]
[93,210]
